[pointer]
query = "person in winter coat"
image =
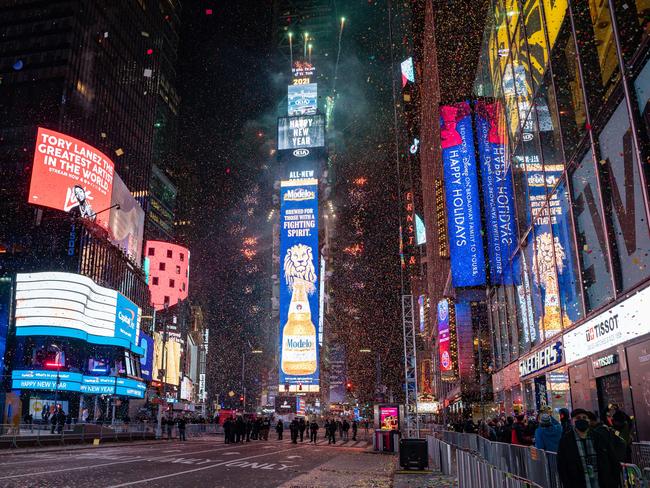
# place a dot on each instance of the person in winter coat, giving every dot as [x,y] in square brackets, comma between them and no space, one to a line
[520,436]
[301,428]
[586,457]
[313,431]
[548,434]
[279,428]
[181,423]
[346,428]
[355,426]
[294,428]
[505,431]
[565,419]
[227,428]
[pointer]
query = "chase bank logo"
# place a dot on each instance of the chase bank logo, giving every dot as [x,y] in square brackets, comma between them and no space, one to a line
[301,153]
[127,317]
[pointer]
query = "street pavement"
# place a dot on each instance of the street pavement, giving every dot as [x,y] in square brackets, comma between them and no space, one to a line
[199,462]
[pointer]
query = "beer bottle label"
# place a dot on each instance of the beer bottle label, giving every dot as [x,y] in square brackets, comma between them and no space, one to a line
[299,348]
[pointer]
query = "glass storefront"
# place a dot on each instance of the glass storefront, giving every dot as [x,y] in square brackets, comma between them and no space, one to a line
[578,166]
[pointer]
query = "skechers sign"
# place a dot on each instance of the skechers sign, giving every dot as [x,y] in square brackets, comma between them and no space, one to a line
[542,359]
[461,191]
[72,305]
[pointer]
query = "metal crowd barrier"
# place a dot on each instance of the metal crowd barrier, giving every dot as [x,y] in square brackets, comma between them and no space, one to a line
[474,472]
[519,462]
[30,435]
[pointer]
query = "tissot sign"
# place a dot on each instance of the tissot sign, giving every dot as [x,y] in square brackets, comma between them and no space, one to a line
[546,357]
[620,323]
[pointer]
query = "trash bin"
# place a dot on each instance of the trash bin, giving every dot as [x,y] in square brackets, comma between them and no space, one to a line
[385,440]
[413,453]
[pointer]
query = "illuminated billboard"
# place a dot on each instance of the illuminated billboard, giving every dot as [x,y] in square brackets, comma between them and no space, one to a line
[71,176]
[146,361]
[408,73]
[498,194]
[171,349]
[303,72]
[447,349]
[77,382]
[302,99]
[303,131]
[299,305]
[169,273]
[462,197]
[126,223]
[72,305]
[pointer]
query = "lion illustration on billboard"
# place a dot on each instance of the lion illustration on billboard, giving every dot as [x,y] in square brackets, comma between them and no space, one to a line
[299,265]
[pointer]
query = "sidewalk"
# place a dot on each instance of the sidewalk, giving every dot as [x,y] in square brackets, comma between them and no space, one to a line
[421,479]
[364,470]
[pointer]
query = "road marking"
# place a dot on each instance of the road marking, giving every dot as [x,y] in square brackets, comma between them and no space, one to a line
[95,454]
[231,453]
[293,457]
[173,450]
[180,473]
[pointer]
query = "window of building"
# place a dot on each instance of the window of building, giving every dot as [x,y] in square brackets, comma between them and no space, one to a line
[178,269]
[182,256]
[166,300]
[170,254]
[567,264]
[568,90]
[531,270]
[632,19]
[154,280]
[642,95]
[183,286]
[592,243]
[623,195]
[597,51]
[161,266]
[172,283]
[151,251]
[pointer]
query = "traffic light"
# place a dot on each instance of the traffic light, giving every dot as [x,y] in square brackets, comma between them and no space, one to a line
[348,386]
[241,399]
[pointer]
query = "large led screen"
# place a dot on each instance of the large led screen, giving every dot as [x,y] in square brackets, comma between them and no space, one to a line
[72,176]
[302,99]
[299,307]
[72,305]
[498,195]
[462,196]
[76,382]
[301,131]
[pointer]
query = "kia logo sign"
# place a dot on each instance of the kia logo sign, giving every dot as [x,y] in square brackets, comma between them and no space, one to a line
[301,153]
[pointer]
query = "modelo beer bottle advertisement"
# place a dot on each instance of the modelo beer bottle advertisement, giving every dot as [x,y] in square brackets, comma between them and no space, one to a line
[299,285]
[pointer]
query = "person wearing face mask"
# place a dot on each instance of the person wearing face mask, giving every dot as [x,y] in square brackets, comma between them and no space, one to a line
[586,456]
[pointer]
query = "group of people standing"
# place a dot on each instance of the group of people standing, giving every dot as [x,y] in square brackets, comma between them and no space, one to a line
[589,450]
[298,427]
[180,421]
[244,429]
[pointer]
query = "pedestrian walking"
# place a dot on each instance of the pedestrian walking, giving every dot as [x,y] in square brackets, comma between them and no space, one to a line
[279,428]
[227,428]
[313,431]
[248,427]
[586,457]
[301,428]
[355,426]
[345,426]
[266,428]
[548,434]
[339,427]
[181,423]
[294,428]
[332,432]
[240,429]
[169,422]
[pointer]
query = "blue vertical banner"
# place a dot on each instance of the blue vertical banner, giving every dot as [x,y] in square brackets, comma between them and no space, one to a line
[498,195]
[299,304]
[462,197]
[146,360]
